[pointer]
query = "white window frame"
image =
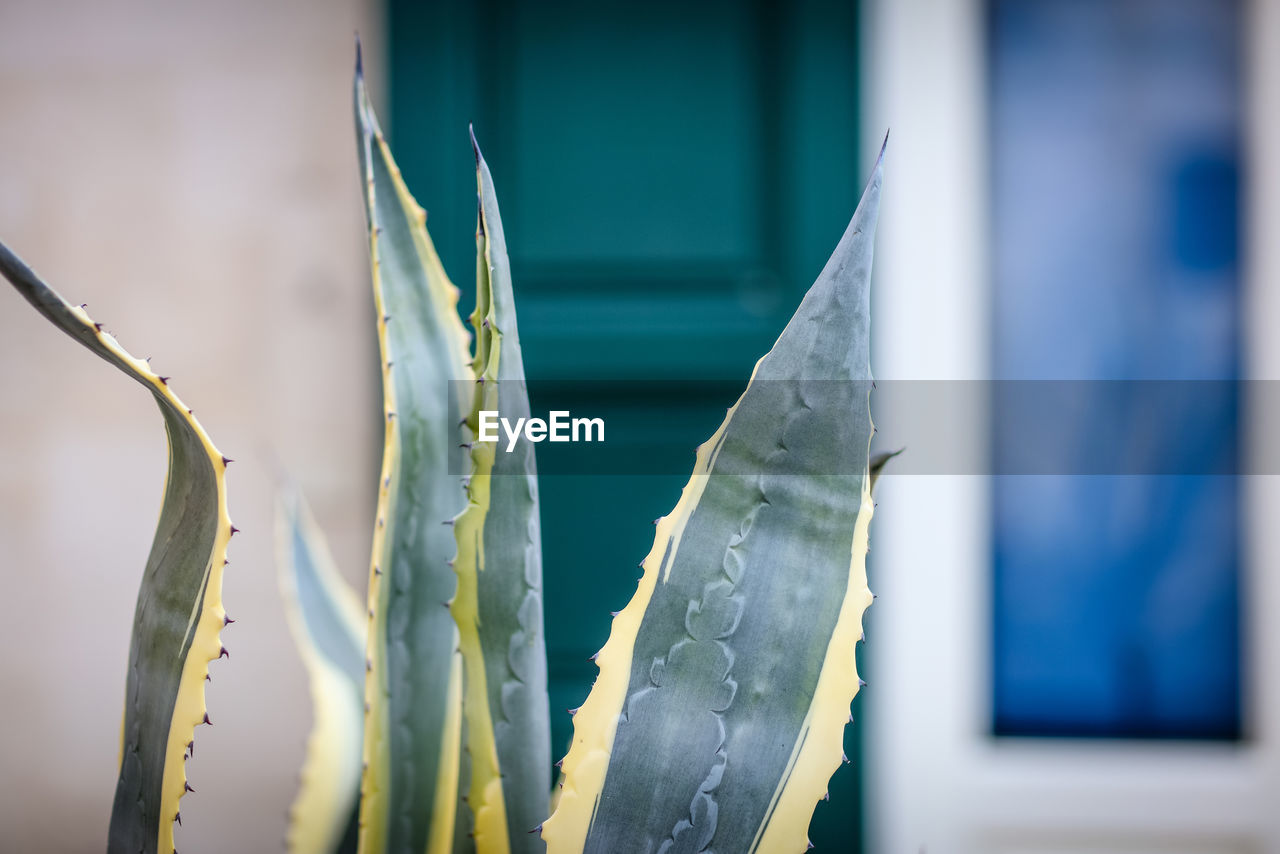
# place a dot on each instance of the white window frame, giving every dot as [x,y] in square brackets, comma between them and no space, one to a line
[936,780]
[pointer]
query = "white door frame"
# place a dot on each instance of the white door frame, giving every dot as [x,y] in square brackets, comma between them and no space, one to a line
[936,781]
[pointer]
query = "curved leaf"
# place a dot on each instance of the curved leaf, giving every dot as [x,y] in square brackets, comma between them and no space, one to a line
[325,617]
[499,602]
[410,799]
[179,615]
[718,714]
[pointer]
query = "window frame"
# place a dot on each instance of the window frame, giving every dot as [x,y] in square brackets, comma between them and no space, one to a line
[937,778]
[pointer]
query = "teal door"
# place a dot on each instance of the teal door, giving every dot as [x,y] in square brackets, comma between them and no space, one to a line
[672,178]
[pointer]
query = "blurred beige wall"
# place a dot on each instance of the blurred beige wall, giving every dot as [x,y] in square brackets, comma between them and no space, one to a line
[188,170]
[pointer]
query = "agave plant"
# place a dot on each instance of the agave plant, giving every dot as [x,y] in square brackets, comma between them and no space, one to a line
[718,714]
[724,688]
[179,616]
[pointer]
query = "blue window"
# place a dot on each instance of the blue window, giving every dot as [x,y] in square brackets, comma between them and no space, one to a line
[1115,177]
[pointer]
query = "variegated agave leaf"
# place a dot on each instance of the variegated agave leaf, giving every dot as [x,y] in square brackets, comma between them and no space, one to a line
[410,797]
[499,602]
[179,616]
[718,715]
[327,622]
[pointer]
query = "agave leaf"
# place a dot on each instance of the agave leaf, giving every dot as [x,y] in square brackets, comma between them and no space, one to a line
[719,711]
[326,619]
[498,607]
[412,738]
[179,615]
